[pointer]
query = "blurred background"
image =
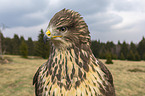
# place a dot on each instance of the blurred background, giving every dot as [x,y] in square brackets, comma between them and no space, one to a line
[116,28]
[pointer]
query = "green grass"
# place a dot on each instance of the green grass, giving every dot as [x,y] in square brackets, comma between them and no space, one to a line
[128,83]
[16,77]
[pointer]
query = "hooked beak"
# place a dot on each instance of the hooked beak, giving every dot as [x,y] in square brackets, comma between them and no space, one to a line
[49,36]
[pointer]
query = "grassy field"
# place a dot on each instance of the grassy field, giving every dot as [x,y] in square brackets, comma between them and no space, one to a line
[16,77]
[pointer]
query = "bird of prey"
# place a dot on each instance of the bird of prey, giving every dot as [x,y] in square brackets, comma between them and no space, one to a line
[72,69]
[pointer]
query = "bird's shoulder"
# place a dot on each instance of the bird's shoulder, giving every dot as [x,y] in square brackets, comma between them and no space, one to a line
[36,80]
[106,71]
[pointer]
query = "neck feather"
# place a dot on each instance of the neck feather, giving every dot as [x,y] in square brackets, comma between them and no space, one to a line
[69,65]
[74,68]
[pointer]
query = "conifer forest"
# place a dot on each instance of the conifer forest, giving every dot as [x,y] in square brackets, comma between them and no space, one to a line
[122,51]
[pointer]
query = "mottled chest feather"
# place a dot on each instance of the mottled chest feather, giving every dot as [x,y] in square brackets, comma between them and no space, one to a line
[70,73]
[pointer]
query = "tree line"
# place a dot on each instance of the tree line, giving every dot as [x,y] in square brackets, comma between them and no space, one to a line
[19,46]
[123,51]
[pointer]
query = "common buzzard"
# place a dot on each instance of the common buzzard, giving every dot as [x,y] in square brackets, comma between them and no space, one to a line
[72,69]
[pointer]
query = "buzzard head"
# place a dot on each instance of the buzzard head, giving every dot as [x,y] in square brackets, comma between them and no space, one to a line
[67,28]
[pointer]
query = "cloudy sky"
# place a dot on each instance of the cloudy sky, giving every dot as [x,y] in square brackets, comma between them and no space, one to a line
[108,20]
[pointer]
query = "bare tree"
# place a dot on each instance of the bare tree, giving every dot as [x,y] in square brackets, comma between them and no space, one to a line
[1,56]
[2,27]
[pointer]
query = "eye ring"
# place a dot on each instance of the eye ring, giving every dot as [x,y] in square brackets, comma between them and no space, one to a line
[62,29]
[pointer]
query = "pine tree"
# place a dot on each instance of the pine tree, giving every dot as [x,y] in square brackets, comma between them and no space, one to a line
[42,49]
[131,55]
[119,43]
[109,59]
[8,45]
[144,56]
[22,39]
[137,56]
[102,55]
[117,49]
[133,47]
[122,56]
[30,47]
[114,56]
[16,44]
[23,49]
[95,46]
[124,49]
[141,47]
[110,46]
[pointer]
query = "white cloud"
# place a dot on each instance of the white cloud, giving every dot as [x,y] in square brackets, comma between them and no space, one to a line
[54,2]
[32,31]
[129,18]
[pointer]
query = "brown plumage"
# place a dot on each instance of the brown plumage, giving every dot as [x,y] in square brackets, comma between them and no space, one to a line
[72,69]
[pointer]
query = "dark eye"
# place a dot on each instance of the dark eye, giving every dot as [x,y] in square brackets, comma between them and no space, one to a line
[63,29]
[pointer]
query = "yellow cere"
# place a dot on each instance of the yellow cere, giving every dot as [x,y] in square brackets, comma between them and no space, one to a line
[48,33]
